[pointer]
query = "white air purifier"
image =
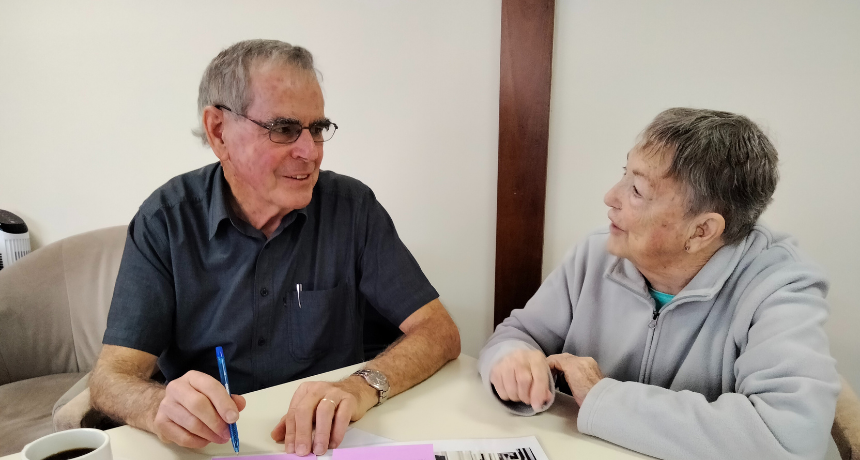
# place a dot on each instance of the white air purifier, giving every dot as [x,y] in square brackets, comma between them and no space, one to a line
[14,239]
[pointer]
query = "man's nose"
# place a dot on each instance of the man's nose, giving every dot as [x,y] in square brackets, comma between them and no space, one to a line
[304,147]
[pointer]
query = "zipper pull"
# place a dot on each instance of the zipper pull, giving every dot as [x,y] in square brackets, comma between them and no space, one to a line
[299,294]
[653,322]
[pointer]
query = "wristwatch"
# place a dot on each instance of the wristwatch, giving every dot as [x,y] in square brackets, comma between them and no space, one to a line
[377,380]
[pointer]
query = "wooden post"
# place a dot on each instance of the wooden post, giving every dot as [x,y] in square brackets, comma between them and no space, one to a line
[524,99]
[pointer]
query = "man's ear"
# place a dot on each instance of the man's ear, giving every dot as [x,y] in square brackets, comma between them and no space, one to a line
[706,230]
[213,124]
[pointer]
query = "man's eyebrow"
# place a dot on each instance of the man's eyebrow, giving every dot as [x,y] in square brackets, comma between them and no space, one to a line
[320,121]
[282,121]
[285,120]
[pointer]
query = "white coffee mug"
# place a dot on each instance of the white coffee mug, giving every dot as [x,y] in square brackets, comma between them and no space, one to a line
[70,439]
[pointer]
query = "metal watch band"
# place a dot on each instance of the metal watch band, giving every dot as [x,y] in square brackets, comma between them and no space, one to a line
[377,381]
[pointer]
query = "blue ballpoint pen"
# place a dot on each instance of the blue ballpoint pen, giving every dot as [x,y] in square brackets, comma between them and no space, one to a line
[222,369]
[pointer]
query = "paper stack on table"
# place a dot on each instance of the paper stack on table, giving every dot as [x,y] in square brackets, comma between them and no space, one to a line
[387,452]
[353,438]
[361,445]
[527,448]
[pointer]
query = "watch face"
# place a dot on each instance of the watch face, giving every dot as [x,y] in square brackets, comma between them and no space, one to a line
[376,379]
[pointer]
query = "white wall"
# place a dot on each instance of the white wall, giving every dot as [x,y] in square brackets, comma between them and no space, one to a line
[793,67]
[97,100]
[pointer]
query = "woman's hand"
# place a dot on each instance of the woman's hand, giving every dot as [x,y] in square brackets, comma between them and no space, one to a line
[523,375]
[580,373]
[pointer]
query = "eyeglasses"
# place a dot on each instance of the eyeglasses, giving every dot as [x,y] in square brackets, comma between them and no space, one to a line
[288,131]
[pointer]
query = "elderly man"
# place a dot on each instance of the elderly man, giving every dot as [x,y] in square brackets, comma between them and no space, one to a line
[272,259]
[684,330]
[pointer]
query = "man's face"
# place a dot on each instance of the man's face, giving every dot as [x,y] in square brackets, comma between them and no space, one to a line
[282,175]
[647,210]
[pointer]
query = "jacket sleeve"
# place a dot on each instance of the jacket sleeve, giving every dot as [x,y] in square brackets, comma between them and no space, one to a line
[784,399]
[542,325]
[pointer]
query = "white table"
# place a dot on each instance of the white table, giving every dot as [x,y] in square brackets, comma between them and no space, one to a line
[452,404]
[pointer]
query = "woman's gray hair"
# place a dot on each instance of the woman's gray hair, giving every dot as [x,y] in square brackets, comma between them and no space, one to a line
[725,161]
[226,79]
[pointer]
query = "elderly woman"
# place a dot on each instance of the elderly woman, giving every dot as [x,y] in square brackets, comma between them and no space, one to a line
[686,329]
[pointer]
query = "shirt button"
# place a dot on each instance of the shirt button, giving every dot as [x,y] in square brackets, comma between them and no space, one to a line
[261,342]
[264,292]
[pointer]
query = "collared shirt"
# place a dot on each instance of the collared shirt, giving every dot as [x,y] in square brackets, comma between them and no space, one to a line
[194,276]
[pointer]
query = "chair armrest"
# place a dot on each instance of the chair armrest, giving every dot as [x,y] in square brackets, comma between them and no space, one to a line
[846,424]
[71,407]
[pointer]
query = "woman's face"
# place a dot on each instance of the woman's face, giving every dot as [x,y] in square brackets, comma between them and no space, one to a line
[648,212]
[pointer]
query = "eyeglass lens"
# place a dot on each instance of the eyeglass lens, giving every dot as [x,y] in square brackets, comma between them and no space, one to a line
[288,132]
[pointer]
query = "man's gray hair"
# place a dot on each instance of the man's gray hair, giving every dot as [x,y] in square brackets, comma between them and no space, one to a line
[226,80]
[725,161]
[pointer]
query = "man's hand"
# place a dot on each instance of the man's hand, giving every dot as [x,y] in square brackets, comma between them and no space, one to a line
[580,373]
[523,375]
[195,411]
[320,412]
[191,411]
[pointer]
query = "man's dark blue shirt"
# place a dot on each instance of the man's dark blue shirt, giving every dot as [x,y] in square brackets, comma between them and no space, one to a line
[194,276]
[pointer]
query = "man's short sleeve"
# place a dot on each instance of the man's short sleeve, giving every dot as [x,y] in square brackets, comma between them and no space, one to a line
[144,300]
[390,277]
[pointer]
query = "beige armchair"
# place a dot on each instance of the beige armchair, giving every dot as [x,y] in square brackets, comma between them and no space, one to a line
[846,426]
[53,310]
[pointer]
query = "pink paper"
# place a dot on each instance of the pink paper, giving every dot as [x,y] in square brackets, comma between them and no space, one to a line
[268,457]
[408,452]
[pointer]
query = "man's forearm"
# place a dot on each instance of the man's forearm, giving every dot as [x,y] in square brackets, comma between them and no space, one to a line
[128,398]
[419,353]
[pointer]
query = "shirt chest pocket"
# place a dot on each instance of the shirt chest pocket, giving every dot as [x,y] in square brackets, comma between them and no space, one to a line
[320,320]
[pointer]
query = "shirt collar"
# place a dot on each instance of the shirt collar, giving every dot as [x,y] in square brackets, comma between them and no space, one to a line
[219,208]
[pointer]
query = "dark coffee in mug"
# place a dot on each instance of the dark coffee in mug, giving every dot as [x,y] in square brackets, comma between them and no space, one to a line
[69,454]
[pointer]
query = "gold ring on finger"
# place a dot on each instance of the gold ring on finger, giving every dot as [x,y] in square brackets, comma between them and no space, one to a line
[329,400]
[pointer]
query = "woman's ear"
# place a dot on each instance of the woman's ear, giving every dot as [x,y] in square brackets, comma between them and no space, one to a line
[707,230]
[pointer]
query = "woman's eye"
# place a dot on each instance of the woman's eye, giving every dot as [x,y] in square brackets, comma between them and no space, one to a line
[636,191]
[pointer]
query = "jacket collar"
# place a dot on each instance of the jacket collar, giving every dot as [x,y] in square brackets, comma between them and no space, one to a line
[705,285]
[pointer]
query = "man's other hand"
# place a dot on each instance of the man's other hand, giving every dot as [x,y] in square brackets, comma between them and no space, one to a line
[580,373]
[195,411]
[523,375]
[320,413]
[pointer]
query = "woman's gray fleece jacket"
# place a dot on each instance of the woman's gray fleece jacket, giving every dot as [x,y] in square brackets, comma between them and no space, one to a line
[736,366]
